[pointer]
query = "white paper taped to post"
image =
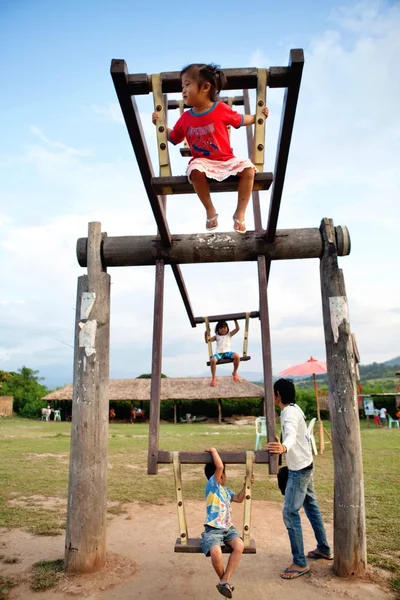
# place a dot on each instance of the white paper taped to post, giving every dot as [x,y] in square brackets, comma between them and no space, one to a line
[339,313]
[87,337]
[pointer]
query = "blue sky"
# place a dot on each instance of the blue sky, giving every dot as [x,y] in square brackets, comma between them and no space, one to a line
[65,160]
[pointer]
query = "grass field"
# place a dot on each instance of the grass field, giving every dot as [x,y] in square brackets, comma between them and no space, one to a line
[34,475]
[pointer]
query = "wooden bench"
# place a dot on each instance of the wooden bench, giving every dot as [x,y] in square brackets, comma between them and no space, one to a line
[181,184]
[193,547]
[225,361]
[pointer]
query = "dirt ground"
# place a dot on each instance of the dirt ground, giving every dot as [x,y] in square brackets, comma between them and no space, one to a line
[142,564]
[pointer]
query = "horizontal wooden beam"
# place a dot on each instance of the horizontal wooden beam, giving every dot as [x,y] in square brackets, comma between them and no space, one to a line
[237,79]
[135,251]
[234,457]
[181,185]
[228,317]
[236,101]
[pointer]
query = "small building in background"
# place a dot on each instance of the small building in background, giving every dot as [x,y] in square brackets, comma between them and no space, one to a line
[6,406]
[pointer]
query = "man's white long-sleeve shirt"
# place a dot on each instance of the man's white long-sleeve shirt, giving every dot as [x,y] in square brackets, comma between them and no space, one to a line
[295,438]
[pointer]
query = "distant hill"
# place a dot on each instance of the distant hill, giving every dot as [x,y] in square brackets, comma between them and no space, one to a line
[392,362]
[375,371]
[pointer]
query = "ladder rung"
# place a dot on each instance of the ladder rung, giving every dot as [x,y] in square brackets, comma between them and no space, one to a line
[181,185]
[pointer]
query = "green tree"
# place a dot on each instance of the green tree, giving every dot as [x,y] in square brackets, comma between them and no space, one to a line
[26,389]
[148,376]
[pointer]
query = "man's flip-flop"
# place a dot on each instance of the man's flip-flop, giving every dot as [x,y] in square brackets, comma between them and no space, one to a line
[317,555]
[209,221]
[297,573]
[225,589]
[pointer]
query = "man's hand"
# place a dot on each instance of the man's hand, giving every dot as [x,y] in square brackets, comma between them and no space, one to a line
[276,447]
[154,117]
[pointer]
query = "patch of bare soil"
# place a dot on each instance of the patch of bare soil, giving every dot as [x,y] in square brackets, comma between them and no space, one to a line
[142,564]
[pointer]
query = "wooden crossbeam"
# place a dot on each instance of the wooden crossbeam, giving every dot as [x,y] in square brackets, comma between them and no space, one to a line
[228,317]
[145,250]
[181,185]
[231,457]
[237,79]
[296,63]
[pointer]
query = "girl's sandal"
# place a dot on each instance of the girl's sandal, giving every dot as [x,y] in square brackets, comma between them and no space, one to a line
[212,223]
[236,378]
[237,226]
[225,589]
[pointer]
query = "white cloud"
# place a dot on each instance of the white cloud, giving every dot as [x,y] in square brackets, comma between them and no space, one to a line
[111,112]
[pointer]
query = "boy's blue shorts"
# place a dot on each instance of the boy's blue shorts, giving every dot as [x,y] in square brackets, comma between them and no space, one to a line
[223,355]
[213,536]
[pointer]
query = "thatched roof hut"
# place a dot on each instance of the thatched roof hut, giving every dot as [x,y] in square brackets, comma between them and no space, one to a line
[182,388]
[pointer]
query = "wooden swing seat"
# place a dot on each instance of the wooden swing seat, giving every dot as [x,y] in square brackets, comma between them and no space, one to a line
[193,547]
[181,184]
[225,361]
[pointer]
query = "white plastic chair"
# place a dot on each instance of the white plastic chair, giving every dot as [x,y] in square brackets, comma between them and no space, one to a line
[261,430]
[310,431]
[393,423]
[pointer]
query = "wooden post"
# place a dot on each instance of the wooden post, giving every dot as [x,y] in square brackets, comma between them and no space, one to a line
[269,399]
[155,389]
[85,541]
[349,507]
[219,411]
[175,420]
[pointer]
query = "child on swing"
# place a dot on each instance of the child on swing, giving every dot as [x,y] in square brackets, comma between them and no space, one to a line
[223,350]
[205,128]
[218,528]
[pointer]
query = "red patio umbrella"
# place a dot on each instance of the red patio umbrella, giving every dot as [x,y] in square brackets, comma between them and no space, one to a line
[312,366]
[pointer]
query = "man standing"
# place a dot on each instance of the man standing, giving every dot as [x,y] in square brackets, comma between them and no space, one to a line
[300,486]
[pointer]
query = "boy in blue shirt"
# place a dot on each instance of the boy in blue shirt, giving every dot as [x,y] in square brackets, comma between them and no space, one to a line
[219,530]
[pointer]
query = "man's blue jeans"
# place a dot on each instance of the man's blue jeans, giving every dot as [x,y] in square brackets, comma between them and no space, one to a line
[300,492]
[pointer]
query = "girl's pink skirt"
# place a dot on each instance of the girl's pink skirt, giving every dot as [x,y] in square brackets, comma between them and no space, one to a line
[219,169]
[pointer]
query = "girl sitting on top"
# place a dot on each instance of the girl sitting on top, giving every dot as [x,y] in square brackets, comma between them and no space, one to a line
[205,128]
[223,338]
